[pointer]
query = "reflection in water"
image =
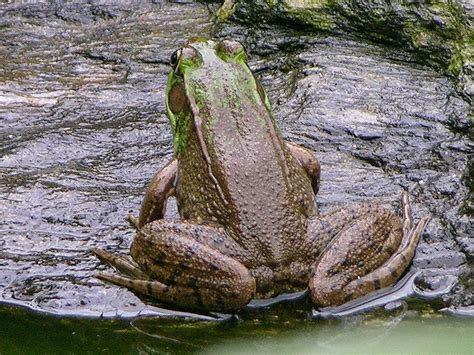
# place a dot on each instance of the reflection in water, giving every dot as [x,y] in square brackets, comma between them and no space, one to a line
[156,336]
[373,336]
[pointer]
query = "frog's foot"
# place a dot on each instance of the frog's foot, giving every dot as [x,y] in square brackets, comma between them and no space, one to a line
[309,163]
[162,186]
[370,253]
[122,263]
[184,270]
[133,220]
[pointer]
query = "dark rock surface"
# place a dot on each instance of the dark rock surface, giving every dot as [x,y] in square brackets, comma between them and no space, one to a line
[83,129]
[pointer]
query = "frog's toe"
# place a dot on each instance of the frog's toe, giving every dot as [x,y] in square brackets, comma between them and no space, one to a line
[122,263]
[123,281]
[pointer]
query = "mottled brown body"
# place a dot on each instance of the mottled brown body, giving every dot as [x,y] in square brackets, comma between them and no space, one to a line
[249,223]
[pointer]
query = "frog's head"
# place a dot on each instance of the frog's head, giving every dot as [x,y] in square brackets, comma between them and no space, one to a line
[210,82]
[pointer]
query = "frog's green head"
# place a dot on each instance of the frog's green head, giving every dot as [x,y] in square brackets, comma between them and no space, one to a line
[210,81]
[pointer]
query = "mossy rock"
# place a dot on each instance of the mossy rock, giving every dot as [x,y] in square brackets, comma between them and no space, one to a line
[439,33]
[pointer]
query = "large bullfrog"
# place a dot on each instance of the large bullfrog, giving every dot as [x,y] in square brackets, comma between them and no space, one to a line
[249,226]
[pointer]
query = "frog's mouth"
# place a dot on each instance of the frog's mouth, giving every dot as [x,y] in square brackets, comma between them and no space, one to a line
[202,143]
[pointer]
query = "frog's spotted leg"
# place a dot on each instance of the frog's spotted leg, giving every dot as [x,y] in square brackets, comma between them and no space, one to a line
[162,186]
[369,253]
[309,163]
[187,268]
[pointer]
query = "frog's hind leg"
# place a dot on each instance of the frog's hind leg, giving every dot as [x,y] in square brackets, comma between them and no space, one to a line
[368,254]
[122,263]
[189,266]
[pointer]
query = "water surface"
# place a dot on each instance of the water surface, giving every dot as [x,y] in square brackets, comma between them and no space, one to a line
[401,332]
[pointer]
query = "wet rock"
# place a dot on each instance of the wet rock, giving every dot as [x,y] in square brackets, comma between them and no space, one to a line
[459,311]
[467,245]
[436,255]
[82,129]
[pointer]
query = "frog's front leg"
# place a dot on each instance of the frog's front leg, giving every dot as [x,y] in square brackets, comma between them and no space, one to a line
[186,267]
[161,187]
[309,163]
[370,252]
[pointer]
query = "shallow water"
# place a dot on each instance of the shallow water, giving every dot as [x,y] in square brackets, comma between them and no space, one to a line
[400,332]
[83,129]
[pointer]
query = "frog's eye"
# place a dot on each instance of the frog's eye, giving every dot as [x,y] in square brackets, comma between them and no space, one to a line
[231,47]
[174,58]
[231,50]
[187,57]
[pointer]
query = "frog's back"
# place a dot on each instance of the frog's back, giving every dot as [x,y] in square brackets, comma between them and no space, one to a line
[271,197]
[262,195]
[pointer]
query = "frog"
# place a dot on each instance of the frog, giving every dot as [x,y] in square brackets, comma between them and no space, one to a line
[249,224]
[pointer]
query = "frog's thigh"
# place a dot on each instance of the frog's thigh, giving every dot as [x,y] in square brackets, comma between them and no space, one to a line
[321,230]
[161,187]
[366,255]
[309,163]
[189,273]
